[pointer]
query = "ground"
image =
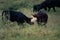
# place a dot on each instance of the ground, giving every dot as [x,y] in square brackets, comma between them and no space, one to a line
[11,31]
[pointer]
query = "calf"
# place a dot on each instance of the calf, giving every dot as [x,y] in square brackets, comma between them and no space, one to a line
[40,17]
[19,17]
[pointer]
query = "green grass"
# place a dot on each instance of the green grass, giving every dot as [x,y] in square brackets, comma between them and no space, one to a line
[13,31]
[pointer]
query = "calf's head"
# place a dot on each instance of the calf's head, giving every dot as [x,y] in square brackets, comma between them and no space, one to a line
[33,19]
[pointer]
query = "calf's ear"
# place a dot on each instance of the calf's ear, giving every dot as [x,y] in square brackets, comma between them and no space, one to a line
[32,16]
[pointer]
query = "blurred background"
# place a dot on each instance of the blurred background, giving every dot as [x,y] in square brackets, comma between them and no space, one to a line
[12,31]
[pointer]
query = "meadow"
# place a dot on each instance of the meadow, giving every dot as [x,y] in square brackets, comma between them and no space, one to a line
[13,31]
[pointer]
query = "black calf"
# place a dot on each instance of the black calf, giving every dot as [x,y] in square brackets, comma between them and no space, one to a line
[19,17]
[42,17]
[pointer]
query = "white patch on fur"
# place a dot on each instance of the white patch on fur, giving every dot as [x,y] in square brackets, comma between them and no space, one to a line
[34,19]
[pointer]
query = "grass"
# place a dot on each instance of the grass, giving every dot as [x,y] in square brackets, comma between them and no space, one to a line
[11,31]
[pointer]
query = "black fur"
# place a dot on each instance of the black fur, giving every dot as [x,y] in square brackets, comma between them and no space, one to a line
[42,17]
[19,17]
[47,4]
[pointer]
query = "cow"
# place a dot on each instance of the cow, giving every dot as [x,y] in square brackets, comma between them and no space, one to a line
[53,4]
[38,7]
[41,18]
[47,5]
[15,16]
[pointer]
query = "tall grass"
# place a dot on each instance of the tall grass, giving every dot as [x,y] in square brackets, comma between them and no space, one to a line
[13,31]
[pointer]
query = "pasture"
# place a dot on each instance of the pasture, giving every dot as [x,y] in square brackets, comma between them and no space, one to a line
[11,30]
